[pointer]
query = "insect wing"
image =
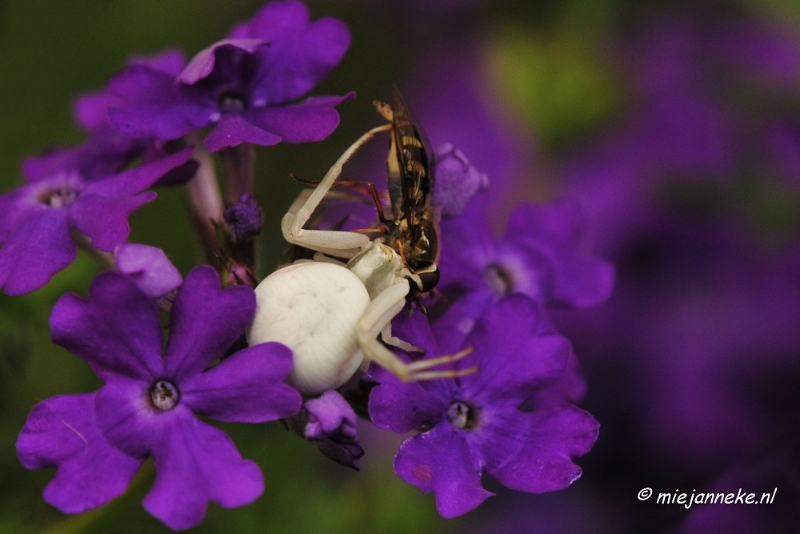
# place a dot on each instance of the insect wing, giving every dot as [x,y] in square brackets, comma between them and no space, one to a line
[409,163]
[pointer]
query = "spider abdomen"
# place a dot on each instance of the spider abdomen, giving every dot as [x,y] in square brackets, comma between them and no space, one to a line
[312,308]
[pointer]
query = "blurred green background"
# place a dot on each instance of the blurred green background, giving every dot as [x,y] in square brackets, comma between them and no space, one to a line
[548,72]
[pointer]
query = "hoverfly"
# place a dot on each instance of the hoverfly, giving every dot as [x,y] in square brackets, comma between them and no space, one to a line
[412,232]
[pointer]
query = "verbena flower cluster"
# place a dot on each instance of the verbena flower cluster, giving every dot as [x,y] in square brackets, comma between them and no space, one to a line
[507,408]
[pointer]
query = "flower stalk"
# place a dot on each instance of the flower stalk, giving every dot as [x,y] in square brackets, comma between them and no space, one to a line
[206,205]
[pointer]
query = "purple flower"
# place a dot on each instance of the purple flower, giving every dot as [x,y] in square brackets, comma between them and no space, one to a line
[331,422]
[69,193]
[148,267]
[244,219]
[456,181]
[485,421]
[244,86]
[330,416]
[91,114]
[91,109]
[147,405]
[539,255]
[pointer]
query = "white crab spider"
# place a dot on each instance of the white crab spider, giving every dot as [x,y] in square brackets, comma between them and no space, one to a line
[329,314]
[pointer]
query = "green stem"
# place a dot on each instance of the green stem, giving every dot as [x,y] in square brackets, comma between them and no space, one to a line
[104,259]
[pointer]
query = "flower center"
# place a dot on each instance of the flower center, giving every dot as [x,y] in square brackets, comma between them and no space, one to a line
[499,280]
[231,103]
[58,197]
[164,395]
[462,415]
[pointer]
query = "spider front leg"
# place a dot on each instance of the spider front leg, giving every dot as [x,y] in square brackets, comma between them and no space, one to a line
[383,308]
[335,243]
[331,242]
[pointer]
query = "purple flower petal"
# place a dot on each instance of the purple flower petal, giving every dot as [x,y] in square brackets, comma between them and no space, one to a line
[233,130]
[345,454]
[570,388]
[105,220]
[545,462]
[489,419]
[456,181]
[148,267]
[277,20]
[440,461]
[40,247]
[515,363]
[403,407]
[246,387]
[291,68]
[201,302]
[554,232]
[14,209]
[330,415]
[197,464]
[172,61]
[540,256]
[152,105]
[461,317]
[136,180]
[203,63]
[300,55]
[415,328]
[129,420]
[116,331]
[581,281]
[331,423]
[313,119]
[468,246]
[499,429]
[177,176]
[558,223]
[91,109]
[61,432]
[98,157]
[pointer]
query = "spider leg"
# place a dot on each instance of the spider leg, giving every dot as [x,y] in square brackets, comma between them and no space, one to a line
[376,317]
[336,243]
